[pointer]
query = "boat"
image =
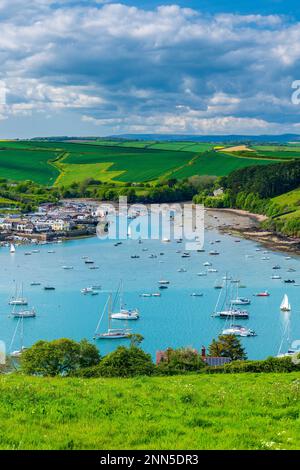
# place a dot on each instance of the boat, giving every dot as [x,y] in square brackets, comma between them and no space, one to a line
[291,270]
[17,299]
[111,333]
[35,251]
[202,274]
[123,313]
[68,267]
[87,290]
[232,313]
[89,261]
[186,255]
[51,251]
[156,294]
[289,281]
[238,330]
[163,287]
[276,277]
[276,266]
[34,283]
[12,248]
[97,287]
[241,301]
[166,240]
[134,256]
[17,353]
[23,313]
[292,350]
[212,270]
[214,253]
[49,288]
[196,294]
[288,257]
[285,305]
[181,270]
[145,295]
[262,294]
[94,267]
[207,263]
[228,310]
[27,253]
[163,281]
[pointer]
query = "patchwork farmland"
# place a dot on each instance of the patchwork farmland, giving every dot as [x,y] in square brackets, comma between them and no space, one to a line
[120,161]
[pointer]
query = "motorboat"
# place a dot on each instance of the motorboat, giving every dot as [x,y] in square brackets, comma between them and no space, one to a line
[262,294]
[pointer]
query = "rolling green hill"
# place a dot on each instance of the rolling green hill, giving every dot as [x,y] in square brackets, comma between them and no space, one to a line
[120,161]
[243,411]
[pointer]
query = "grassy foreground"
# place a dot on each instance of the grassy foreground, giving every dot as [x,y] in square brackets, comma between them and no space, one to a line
[242,411]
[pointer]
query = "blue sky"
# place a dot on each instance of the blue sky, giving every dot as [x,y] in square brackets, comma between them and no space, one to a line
[188,67]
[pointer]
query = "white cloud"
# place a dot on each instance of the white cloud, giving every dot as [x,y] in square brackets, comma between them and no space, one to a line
[166,68]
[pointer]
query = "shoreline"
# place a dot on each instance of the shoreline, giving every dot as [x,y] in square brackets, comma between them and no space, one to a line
[246,225]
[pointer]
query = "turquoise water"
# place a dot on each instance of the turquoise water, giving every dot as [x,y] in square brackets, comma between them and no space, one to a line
[175,319]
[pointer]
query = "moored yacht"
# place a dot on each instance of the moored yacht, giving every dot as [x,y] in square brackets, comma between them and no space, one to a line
[238,330]
[18,299]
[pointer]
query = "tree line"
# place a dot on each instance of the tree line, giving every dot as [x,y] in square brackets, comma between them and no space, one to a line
[68,358]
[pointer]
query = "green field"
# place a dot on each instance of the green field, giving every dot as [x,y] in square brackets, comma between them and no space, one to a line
[218,164]
[242,411]
[28,164]
[136,165]
[61,163]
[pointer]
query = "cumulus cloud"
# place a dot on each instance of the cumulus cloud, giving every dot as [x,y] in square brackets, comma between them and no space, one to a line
[170,69]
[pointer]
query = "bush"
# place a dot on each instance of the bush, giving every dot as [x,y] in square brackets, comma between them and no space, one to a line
[271,364]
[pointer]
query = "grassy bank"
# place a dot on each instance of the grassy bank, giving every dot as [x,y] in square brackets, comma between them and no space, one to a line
[243,411]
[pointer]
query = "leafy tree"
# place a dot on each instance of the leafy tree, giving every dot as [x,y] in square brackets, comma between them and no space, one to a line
[58,357]
[126,362]
[227,346]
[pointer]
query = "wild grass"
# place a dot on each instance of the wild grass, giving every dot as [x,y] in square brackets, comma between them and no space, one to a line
[243,411]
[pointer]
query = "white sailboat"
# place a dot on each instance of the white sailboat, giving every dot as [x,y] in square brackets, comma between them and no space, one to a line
[111,333]
[30,313]
[18,299]
[228,310]
[17,353]
[12,248]
[238,300]
[285,305]
[238,330]
[123,313]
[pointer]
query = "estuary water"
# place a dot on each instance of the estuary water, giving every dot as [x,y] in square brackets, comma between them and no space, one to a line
[176,318]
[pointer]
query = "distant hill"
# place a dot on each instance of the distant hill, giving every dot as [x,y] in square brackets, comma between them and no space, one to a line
[236,138]
[283,138]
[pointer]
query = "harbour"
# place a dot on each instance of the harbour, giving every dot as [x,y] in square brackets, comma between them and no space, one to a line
[180,316]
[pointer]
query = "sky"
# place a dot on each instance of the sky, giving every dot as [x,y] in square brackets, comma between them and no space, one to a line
[97,67]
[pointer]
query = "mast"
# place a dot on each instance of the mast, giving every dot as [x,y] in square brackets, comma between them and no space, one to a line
[109,311]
